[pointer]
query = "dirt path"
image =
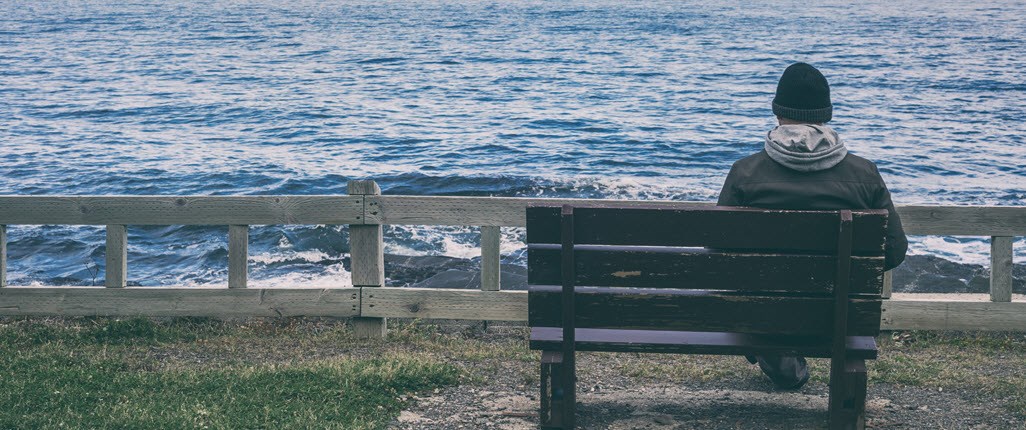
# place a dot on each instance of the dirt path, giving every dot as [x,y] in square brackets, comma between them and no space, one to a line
[673,407]
[661,391]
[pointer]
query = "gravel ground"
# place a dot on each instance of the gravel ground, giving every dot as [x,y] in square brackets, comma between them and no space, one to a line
[505,397]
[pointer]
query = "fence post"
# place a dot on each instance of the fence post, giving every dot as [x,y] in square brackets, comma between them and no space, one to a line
[116,273]
[367,259]
[3,256]
[238,254]
[490,241]
[888,286]
[1000,268]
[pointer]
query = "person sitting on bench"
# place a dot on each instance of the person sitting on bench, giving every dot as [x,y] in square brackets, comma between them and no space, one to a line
[805,165]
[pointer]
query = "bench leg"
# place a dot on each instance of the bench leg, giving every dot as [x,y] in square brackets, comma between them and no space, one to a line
[550,382]
[557,402]
[848,397]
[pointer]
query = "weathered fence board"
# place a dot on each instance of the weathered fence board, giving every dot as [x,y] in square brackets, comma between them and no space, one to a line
[181,210]
[963,220]
[901,313]
[1000,268]
[238,256]
[116,272]
[407,210]
[367,258]
[191,301]
[491,240]
[445,304]
[3,256]
[494,211]
[953,315]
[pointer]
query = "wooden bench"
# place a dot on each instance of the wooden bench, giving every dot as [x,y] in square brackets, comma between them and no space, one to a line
[732,281]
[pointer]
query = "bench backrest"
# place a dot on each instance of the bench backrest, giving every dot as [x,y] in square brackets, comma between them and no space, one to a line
[711,269]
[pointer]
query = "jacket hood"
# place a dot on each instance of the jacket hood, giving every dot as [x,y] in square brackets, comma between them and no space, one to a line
[805,147]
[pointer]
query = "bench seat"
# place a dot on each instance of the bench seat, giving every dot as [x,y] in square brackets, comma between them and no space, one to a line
[692,342]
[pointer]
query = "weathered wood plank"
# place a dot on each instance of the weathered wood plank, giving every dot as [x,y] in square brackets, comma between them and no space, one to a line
[181,210]
[494,211]
[364,187]
[367,257]
[953,315]
[951,297]
[888,282]
[238,255]
[690,342]
[718,227]
[445,304]
[366,245]
[191,301]
[903,312]
[963,220]
[3,256]
[649,309]
[700,269]
[1001,269]
[116,272]
[410,210]
[491,239]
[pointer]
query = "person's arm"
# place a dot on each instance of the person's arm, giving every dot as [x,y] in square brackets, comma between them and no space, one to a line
[896,244]
[730,195]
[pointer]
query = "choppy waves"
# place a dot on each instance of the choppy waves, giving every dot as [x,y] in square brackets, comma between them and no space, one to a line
[583,99]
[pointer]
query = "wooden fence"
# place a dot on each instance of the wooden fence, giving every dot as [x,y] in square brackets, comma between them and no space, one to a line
[370,303]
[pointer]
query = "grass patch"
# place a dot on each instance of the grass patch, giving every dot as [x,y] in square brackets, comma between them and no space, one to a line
[296,373]
[102,373]
[989,363]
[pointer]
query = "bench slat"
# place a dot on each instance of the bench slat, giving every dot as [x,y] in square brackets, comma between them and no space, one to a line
[689,342]
[720,227]
[661,309]
[700,269]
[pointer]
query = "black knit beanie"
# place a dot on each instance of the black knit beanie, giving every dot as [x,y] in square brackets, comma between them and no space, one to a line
[803,95]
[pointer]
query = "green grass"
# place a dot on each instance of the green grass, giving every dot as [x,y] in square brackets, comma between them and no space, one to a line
[295,373]
[110,373]
[990,363]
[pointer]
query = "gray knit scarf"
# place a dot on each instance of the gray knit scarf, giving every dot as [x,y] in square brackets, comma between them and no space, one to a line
[805,147]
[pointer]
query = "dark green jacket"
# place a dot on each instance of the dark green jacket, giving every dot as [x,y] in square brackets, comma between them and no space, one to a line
[854,183]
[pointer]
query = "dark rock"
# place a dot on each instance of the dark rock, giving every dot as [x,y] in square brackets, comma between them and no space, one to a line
[931,274]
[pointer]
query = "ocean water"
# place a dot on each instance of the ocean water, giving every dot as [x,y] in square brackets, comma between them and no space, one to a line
[624,100]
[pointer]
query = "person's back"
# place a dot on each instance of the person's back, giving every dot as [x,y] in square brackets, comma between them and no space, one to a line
[805,165]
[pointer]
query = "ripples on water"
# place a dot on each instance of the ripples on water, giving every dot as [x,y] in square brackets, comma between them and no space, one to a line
[595,99]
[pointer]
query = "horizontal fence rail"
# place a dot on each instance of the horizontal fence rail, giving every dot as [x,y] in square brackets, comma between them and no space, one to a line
[181,210]
[365,211]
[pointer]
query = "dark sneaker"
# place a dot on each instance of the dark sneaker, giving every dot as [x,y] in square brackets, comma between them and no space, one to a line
[786,372]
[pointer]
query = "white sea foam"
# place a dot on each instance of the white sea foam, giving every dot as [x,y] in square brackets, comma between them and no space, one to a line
[965,250]
[280,257]
[333,276]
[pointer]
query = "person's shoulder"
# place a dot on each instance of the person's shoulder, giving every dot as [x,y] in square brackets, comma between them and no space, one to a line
[862,167]
[860,163]
[751,161]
